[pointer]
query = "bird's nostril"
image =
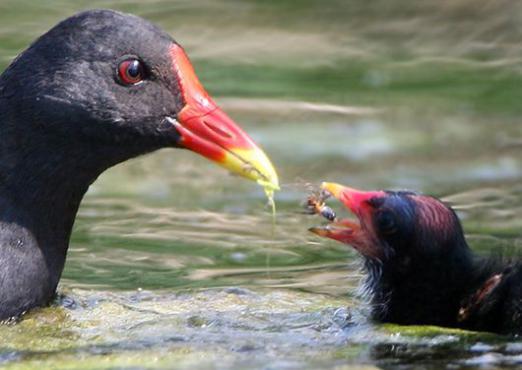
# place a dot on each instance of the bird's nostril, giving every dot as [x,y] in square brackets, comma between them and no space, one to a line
[218,130]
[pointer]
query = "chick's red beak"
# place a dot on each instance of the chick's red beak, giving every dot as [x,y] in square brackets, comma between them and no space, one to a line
[358,233]
[355,200]
[207,130]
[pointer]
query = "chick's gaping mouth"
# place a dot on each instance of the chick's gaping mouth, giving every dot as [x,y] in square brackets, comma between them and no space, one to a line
[355,232]
[341,229]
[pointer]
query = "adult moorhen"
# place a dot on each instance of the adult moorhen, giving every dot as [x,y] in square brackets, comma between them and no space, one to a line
[97,89]
[419,267]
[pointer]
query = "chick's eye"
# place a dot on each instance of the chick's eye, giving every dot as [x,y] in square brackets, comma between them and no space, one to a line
[386,222]
[131,71]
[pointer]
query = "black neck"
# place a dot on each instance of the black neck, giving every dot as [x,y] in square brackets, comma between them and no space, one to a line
[424,292]
[43,178]
[41,186]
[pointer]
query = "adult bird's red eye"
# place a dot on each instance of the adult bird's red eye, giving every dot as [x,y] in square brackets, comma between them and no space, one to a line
[131,72]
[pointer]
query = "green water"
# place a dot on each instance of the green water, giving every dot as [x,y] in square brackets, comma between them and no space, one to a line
[176,264]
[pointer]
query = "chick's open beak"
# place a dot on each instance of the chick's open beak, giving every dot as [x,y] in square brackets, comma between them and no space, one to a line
[207,130]
[350,231]
[355,200]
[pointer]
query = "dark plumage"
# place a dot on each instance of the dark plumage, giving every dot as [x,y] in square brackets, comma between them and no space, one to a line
[99,88]
[419,267]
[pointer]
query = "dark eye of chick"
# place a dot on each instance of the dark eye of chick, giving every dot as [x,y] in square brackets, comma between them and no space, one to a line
[386,222]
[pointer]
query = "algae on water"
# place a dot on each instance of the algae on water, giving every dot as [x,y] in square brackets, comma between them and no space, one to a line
[270,189]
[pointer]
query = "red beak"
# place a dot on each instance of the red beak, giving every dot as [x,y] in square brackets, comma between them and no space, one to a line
[355,200]
[207,130]
[350,231]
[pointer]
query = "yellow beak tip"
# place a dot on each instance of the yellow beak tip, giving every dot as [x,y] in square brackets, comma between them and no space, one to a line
[253,164]
[333,188]
[272,185]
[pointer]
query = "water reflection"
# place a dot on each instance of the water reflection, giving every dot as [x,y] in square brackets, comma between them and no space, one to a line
[234,328]
[416,95]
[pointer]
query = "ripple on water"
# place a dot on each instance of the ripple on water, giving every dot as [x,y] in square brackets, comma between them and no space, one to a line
[240,326]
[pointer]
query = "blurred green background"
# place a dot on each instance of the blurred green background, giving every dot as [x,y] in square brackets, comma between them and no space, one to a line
[423,95]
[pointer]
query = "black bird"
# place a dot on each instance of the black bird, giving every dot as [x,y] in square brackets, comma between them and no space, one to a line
[97,89]
[419,267]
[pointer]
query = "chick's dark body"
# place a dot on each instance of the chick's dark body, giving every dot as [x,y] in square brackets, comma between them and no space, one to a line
[419,267]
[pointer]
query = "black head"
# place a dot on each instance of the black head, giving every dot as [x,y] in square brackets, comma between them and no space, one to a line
[414,250]
[112,83]
[69,82]
[97,89]
[396,226]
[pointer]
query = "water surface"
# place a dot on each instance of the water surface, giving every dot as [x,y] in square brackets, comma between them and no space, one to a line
[175,263]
